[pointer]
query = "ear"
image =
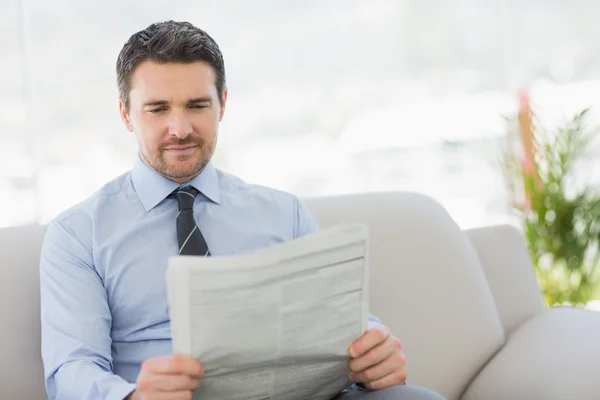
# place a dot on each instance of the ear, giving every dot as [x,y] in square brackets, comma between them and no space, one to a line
[223,104]
[125,115]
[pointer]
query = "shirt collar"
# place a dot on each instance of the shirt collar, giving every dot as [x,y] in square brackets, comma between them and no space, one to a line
[152,188]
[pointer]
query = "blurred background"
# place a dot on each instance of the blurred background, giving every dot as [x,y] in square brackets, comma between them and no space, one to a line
[325,97]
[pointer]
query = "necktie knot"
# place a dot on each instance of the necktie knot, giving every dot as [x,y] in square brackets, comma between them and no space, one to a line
[185,197]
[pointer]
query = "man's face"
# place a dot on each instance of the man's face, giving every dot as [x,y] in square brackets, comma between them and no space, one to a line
[174,110]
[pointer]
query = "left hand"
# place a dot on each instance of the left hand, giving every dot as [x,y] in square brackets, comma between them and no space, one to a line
[377,360]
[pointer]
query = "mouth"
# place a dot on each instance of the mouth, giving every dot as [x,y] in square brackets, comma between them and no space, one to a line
[181,150]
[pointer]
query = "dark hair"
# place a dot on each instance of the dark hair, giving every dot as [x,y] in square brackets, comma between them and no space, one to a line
[165,42]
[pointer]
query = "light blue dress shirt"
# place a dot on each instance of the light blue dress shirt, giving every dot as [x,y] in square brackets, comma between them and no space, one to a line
[103,263]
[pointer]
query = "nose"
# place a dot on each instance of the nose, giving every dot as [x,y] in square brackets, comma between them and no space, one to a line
[179,125]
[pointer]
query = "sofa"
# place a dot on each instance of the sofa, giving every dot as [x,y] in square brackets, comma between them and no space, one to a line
[464,303]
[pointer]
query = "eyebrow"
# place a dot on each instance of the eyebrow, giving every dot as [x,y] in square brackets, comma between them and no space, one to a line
[155,103]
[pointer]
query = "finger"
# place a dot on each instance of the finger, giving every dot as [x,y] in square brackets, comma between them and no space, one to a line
[174,383]
[367,341]
[375,355]
[176,364]
[395,362]
[393,379]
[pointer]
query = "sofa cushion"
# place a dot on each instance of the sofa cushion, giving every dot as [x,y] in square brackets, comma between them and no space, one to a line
[554,356]
[426,284]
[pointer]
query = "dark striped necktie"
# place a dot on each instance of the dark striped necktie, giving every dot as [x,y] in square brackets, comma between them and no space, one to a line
[190,239]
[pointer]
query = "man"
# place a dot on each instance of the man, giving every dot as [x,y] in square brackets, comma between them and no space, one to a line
[105,322]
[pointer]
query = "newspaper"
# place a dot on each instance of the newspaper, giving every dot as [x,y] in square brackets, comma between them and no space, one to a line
[276,323]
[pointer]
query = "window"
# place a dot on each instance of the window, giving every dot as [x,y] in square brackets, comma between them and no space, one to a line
[326,97]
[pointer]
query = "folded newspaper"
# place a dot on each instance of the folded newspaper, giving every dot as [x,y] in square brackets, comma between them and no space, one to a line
[276,323]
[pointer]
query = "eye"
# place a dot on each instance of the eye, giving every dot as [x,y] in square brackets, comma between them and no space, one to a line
[157,110]
[198,106]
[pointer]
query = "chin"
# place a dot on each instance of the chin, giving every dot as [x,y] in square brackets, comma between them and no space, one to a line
[185,170]
[182,172]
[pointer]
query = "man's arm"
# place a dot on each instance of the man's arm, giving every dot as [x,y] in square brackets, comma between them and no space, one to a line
[76,323]
[305,223]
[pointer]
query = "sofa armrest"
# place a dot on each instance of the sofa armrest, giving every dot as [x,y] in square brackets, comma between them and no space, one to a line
[555,355]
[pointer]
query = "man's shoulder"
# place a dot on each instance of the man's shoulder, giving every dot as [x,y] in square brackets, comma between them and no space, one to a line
[86,208]
[281,207]
[236,187]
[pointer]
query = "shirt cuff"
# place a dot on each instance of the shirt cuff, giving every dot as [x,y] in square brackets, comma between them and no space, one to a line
[356,387]
[359,387]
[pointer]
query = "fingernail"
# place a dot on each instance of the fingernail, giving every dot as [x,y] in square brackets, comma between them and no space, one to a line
[353,351]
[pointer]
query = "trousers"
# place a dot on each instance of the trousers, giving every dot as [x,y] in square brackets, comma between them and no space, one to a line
[402,392]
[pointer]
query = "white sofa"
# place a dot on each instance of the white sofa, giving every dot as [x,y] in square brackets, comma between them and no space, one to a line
[465,305]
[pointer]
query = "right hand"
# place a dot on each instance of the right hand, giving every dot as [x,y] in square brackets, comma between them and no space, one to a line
[173,377]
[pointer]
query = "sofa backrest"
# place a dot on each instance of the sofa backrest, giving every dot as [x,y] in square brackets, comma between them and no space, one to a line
[503,253]
[426,284]
[21,372]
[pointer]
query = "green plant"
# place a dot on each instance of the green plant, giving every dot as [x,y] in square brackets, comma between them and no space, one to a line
[560,219]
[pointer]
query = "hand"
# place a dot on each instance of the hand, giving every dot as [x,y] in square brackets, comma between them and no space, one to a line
[377,361]
[172,377]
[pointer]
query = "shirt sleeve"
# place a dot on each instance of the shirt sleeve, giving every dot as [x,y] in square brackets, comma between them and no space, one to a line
[76,323]
[305,222]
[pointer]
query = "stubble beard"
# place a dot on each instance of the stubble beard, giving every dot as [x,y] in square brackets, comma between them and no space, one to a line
[159,163]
